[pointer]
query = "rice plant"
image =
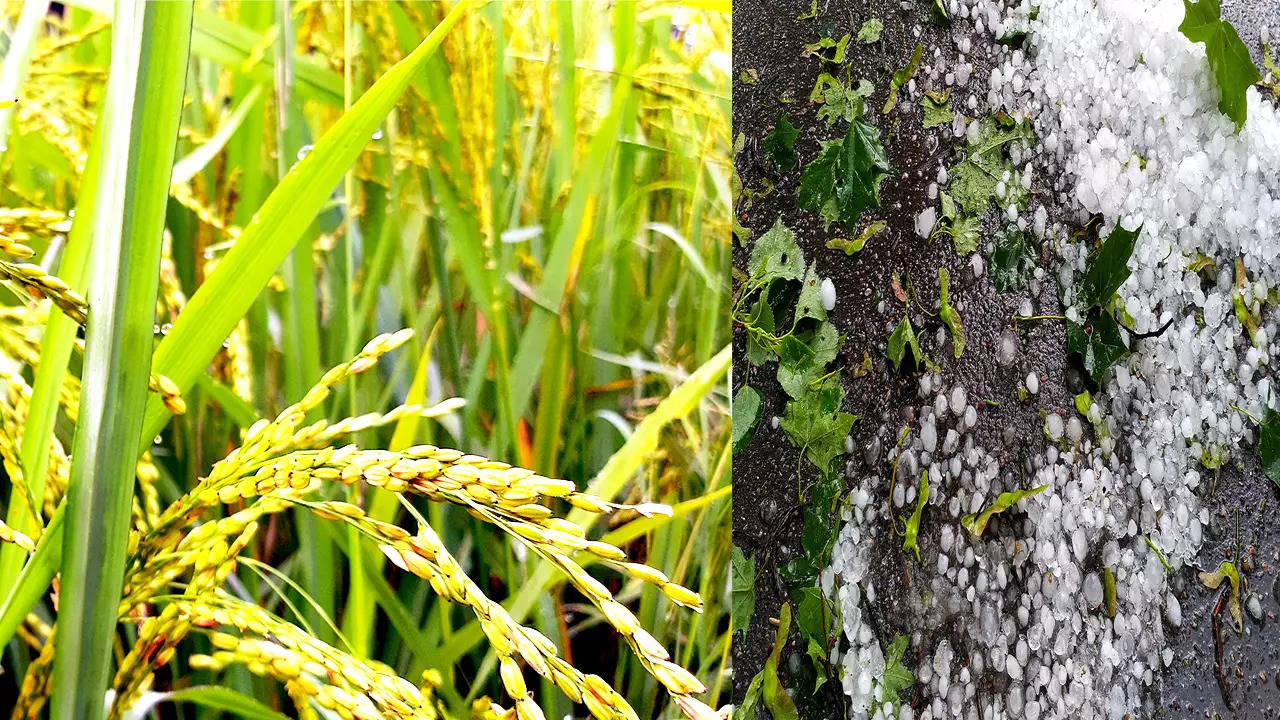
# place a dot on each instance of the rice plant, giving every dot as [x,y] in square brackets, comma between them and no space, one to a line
[364,359]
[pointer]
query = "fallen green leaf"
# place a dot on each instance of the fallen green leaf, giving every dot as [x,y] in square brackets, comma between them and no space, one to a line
[870,31]
[1233,70]
[855,245]
[913,523]
[949,315]
[746,413]
[809,304]
[974,181]
[780,704]
[976,524]
[840,101]
[844,180]
[776,256]
[828,49]
[1108,270]
[902,77]
[1099,343]
[937,108]
[803,358]
[896,677]
[816,424]
[779,144]
[903,337]
[1227,571]
[1013,261]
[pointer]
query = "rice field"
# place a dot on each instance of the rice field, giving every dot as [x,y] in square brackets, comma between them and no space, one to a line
[364,359]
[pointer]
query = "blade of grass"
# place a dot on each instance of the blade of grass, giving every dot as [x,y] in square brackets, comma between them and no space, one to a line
[150,51]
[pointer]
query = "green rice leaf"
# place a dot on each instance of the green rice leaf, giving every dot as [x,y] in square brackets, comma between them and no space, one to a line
[150,49]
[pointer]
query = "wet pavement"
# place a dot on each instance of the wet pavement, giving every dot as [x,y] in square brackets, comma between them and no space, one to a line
[768,44]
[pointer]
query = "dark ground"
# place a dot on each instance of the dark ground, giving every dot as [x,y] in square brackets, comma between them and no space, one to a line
[769,39]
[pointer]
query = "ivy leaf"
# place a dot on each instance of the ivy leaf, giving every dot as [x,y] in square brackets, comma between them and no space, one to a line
[816,424]
[780,144]
[744,590]
[776,256]
[827,49]
[976,524]
[949,315]
[974,181]
[809,304]
[818,181]
[839,101]
[760,320]
[870,31]
[804,358]
[746,413]
[913,523]
[896,677]
[1233,70]
[812,615]
[903,337]
[902,77]
[965,231]
[1269,445]
[1109,268]
[1098,342]
[855,245]
[937,108]
[780,704]
[844,180]
[863,167]
[1012,262]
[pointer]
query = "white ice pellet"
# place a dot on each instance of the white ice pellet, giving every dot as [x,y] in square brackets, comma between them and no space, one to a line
[828,292]
[1053,426]
[1033,383]
[1173,610]
[1092,590]
[925,221]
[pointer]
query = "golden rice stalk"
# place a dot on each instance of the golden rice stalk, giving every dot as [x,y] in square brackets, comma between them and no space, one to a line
[280,463]
[9,535]
[270,647]
[35,683]
[39,284]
